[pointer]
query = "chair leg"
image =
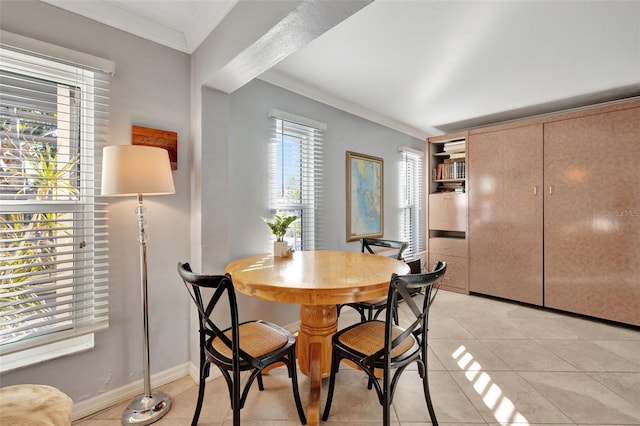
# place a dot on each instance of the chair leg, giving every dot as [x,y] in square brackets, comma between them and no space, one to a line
[291,366]
[235,399]
[386,399]
[204,373]
[427,397]
[421,370]
[335,364]
[260,383]
[361,311]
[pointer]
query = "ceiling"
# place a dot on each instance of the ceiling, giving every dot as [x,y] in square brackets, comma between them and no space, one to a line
[428,67]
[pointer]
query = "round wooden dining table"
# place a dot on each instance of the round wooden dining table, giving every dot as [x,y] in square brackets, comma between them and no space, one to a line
[317,281]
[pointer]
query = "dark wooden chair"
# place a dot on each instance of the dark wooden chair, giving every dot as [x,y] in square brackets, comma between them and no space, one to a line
[370,309]
[248,346]
[382,345]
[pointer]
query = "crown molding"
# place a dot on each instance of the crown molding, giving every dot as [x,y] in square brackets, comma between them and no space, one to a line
[188,41]
[123,20]
[204,22]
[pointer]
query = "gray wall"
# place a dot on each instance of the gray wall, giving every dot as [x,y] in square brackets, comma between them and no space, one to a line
[150,88]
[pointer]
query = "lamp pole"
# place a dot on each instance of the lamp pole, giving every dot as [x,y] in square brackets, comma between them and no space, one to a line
[152,405]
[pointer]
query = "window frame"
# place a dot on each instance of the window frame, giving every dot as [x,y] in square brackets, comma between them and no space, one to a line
[411,192]
[304,232]
[80,335]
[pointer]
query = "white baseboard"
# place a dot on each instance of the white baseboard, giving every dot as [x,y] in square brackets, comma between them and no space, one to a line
[115,396]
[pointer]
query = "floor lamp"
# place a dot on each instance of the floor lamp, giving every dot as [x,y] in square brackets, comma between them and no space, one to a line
[136,170]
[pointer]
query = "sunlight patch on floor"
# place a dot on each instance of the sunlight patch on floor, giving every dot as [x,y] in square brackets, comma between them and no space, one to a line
[502,407]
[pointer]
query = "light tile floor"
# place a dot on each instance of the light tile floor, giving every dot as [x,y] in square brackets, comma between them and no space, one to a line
[491,363]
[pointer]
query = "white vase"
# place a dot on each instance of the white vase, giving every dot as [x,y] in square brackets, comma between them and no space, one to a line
[280,247]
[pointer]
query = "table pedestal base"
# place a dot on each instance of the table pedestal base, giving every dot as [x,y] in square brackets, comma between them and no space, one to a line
[318,323]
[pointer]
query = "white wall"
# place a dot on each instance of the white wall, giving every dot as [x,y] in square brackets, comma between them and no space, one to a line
[220,191]
[230,196]
[248,174]
[150,88]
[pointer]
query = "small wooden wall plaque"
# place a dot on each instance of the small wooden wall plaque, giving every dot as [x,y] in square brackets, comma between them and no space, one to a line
[158,138]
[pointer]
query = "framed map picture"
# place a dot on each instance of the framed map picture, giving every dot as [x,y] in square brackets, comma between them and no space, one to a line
[365,192]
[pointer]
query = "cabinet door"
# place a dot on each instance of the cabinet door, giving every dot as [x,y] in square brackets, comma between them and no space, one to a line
[505,213]
[592,215]
[448,212]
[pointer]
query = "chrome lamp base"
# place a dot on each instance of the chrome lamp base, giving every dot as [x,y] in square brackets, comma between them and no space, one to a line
[145,410]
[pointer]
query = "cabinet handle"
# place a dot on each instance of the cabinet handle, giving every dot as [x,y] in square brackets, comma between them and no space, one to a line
[535,189]
[550,189]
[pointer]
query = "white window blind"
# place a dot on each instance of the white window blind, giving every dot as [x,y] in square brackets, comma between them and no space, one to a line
[53,248]
[295,176]
[411,192]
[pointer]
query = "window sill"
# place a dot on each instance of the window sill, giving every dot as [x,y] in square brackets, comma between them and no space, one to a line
[44,353]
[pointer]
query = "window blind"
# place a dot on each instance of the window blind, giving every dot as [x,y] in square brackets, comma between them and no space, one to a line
[411,192]
[295,178]
[53,247]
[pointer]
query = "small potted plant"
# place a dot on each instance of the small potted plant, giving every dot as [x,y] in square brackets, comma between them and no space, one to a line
[279,226]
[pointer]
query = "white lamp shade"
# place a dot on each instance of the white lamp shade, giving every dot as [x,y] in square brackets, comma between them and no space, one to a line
[136,169]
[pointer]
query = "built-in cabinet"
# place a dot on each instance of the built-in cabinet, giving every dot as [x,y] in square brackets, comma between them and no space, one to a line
[554,212]
[592,215]
[447,207]
[505,213]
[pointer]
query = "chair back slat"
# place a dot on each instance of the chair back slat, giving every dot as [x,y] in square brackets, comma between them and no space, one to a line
[399,246]
[399,288]
[222,284]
